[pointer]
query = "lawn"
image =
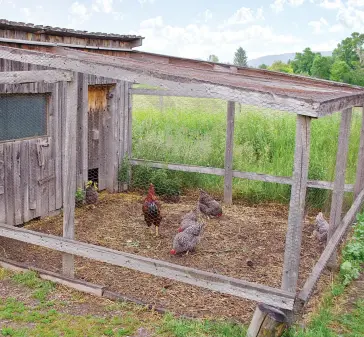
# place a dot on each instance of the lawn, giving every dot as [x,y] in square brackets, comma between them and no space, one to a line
[192,131]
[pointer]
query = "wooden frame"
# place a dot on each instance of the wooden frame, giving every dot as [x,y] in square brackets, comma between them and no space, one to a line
[244,89]
[127,70]
[46,76]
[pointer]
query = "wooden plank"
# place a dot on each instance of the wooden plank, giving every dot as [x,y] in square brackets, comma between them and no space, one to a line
[237,174]
[18,191]
[82,131]
[359,180]
[228,174]
[340,170]
[69,171]
[57,143]
[224,284]
[297,205]
[24,179]
[9,184]
[44,161]
[113,67]
[46,76]
[330,248]
[2,184]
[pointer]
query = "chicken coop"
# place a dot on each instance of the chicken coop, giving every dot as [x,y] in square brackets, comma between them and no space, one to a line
[67,118]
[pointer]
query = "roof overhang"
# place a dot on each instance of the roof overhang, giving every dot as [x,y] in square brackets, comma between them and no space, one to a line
[184,77]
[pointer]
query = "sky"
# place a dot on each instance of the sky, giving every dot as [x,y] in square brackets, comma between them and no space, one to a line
[198,28]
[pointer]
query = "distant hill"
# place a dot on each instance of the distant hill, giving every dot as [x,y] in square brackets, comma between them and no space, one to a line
[269,59]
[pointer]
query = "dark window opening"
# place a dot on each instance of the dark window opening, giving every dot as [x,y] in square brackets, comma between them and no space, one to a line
[93,175]
[23,116]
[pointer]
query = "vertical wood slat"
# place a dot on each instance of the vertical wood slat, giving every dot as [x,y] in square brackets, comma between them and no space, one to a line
[297,205]
[9,184]
[69,171]
[53,125]
[82,131]
[24,179]
[359,180]
[2,184]
[228,178]
[17,186]
[340,170]
[57,144]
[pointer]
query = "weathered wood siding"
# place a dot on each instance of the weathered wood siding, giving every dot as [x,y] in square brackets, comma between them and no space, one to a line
[31,169]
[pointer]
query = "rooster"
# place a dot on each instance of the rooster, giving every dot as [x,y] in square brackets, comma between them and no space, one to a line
[187,240]
[208,205]
[152,210]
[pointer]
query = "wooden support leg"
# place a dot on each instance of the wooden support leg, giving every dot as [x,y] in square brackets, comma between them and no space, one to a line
[295,219]
[69,172]
[359,181]
[297,205]
[339,183]
[228,183]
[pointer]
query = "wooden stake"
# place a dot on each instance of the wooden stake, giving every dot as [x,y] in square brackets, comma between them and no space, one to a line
[339,183]
[69,172]
[297,205]
[228,185]
[359,180]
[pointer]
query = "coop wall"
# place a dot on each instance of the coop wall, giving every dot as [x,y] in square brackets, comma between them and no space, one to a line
[31,168]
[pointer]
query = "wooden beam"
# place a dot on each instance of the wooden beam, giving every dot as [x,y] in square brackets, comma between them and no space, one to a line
[69,171]
[297,205]
[327,185]
[340,170]
[228,177]
[330,248]
[359,180]
[46,76]
[172,78]
[223,284]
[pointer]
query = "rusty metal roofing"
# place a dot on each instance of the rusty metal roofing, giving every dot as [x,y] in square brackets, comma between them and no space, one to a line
[30,27]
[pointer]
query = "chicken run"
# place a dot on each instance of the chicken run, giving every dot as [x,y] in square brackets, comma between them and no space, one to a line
[227,245]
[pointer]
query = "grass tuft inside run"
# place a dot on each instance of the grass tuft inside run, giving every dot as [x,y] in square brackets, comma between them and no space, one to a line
[192,131]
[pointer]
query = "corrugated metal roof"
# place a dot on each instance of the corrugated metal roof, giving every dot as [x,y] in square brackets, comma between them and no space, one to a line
[30,27]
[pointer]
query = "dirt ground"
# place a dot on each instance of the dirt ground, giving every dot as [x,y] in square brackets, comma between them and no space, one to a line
[244,232]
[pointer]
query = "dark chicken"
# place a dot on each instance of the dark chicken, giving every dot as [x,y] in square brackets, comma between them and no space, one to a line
[208,205]
[152,210]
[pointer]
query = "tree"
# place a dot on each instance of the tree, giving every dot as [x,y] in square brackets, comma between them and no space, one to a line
[240,58]
[340,71]
[321,67]
[302,62]
[213,58]
[350,50]
[263,66]
[281,66]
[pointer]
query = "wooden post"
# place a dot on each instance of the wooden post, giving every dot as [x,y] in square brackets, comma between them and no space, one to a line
[295,218]
[359,180]
[69,172]
[228,182]
[297,205]
[339,183]
[267,321]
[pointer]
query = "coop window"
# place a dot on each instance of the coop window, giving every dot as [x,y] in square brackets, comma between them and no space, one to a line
[22,116]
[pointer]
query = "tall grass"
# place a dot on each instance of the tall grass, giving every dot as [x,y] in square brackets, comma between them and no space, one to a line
[192,131]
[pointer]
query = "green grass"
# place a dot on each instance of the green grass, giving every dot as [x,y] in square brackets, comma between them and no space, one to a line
[328,321]
[192,131]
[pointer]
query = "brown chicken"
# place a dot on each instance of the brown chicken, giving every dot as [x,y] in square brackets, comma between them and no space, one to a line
[152,210]
[187,240]
[208,205]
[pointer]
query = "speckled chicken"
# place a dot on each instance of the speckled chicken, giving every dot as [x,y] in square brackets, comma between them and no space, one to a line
[322,227]
[187,220]
[208,205]
[187,240]
[152,210]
